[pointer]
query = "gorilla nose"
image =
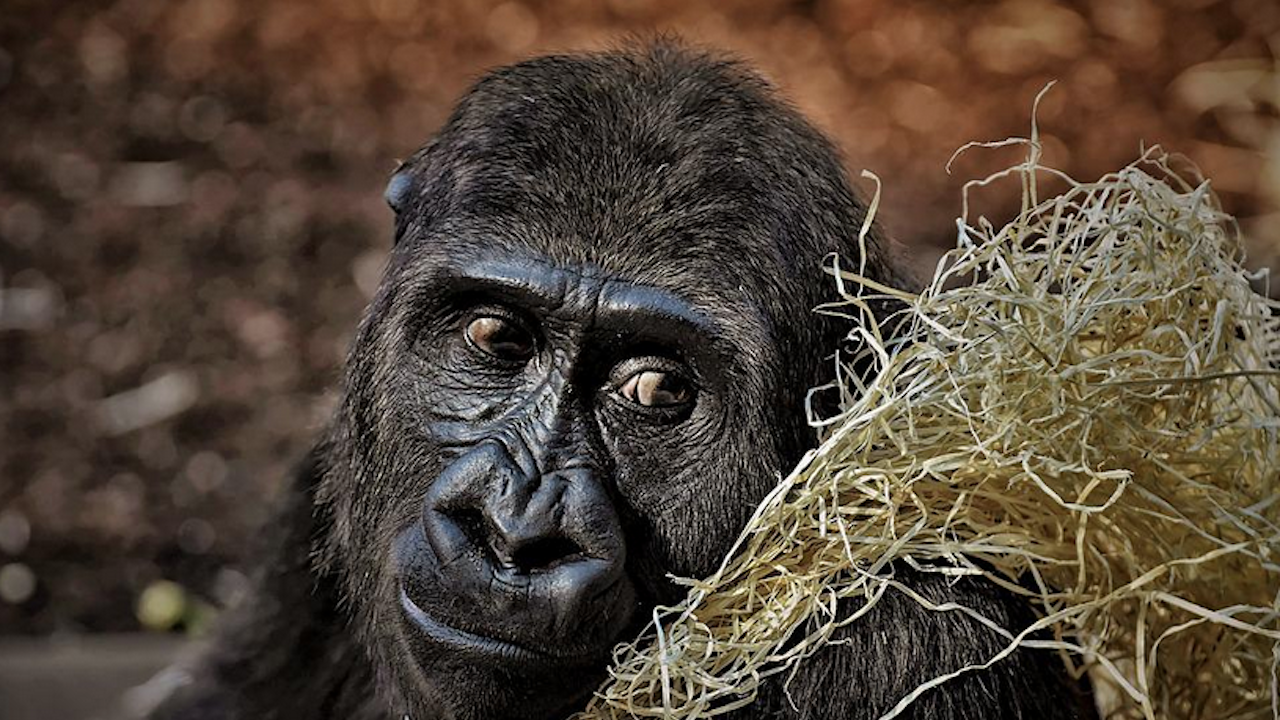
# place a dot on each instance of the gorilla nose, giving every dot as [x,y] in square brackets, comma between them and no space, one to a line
[522,525]
[486,508]
[531,558]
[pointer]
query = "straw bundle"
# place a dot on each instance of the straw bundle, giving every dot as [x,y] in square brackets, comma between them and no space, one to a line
[1093,423]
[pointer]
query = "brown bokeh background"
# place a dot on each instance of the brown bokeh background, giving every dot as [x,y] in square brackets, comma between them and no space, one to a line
[191,220]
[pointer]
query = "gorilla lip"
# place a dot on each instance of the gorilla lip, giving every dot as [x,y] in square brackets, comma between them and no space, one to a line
[446,634]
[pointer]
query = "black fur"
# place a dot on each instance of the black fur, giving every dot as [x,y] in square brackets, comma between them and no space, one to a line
[654,167]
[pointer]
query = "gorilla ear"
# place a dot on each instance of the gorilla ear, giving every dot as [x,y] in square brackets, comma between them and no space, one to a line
[399,190]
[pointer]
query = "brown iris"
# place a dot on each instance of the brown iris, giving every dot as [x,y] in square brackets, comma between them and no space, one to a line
[654,388]
[500,338]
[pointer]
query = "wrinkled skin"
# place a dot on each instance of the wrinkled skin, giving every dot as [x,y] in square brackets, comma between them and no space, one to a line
[585,365]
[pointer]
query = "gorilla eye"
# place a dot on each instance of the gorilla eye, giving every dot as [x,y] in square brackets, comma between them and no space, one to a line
[654,388]
[500,337]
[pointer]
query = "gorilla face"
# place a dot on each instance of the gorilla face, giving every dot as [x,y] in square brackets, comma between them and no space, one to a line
[585,365]
[544,380]
[556,432]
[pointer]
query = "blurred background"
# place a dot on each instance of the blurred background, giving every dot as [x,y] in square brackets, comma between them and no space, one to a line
[191,218]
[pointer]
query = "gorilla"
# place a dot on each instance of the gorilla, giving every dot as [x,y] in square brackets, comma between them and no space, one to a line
[586,363]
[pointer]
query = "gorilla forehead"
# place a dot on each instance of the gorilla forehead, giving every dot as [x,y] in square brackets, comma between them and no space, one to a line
[644,163]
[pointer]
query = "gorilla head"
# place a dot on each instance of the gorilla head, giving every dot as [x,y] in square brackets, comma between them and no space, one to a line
[585,365]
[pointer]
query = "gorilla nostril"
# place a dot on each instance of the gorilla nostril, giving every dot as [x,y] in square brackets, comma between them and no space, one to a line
[525,555]
[545,553]
[473,525]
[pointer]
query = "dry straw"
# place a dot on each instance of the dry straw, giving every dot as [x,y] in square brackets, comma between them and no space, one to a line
[1092,423]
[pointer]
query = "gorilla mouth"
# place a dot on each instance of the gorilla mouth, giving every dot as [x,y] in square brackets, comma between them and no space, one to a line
[460,639]
[442,633]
